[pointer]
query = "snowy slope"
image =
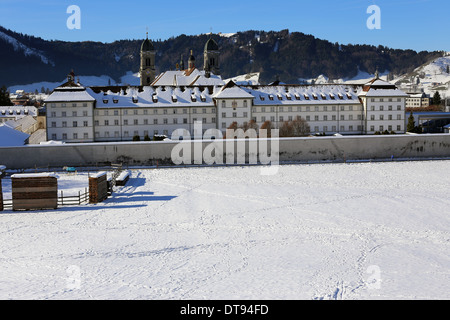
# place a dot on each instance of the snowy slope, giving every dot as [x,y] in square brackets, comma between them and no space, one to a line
[430,77]
[331,231]
[19,46]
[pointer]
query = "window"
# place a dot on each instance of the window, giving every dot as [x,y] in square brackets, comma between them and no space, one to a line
[165,121]
[85,124]
[213,120]
[224,115]
[175,121]
[54,137]
[245,103]
[96,123]
[53,114]
[204,120]
[381,117]
[234,114]
[155,121]
[85,113]
[75,124]
[106,122]
[53,124]
[224,125]
[135,122]
[125,122]
[126,133]
[63,114]
[64,124]
[74,105]
[185,120]
[64,136]
[84,105]
[145,122]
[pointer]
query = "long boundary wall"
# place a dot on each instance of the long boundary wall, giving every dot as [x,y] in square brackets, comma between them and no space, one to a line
[290,149]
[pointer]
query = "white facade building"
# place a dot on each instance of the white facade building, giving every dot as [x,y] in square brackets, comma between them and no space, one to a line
[78,114]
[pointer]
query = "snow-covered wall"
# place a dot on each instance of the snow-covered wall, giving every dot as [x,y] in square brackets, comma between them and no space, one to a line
[290,149]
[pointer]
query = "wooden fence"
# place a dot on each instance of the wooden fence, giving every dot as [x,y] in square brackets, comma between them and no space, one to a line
[81,198]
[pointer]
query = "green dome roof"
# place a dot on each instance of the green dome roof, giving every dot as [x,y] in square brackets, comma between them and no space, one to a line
[147,45]
[211,45]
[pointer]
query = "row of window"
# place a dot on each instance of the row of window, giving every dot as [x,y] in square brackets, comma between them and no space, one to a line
[54,114]
[73,105]
[154,111]
[116,122]
[384,99]
[306,109]
[381,108]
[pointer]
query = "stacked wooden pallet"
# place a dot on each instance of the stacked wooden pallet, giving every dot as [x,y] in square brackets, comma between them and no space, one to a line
[98,187]
[34,191]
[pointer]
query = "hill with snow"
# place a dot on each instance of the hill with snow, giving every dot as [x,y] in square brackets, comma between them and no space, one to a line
[430,77]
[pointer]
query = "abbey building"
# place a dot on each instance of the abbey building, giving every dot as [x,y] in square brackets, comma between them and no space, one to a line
[180,98]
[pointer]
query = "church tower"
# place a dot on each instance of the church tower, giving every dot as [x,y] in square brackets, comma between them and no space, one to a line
[147,71]
[211,57]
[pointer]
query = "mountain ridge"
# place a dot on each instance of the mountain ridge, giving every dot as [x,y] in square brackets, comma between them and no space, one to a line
[289,56]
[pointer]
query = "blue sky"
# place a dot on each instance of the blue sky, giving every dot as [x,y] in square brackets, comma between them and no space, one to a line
[405,24]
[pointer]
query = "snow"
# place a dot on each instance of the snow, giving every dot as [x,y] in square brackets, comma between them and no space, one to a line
[323,231]
[33,175]
[10,137]
[27,51]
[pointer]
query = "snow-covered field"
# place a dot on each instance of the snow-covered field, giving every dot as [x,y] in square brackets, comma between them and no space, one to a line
[323,231]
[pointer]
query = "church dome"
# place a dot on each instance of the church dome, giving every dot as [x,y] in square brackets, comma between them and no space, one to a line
[147,45]
[211,45]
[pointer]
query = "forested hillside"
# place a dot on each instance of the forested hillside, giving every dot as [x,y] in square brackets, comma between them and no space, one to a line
[26,59]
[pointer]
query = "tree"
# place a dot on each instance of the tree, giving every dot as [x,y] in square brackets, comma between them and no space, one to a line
[411,123]
[4,97]
[295,128]
[267,125]
[437,98]
[136,138]
[448,69]
[147,138]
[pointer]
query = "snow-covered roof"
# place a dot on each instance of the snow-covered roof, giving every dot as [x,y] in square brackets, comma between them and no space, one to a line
[11,138]
[154,97]
[70,94]
[385,93]
[17,111]
[305,95]
[233,93]
[187,78]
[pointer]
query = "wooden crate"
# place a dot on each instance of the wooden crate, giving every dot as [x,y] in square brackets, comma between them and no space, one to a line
[34,191]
